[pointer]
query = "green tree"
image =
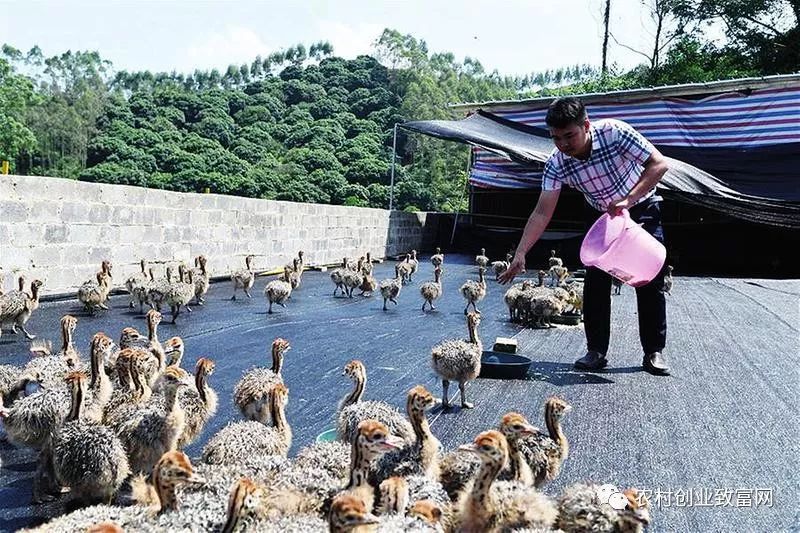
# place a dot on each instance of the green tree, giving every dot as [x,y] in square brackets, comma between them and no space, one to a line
[332,183]
[366,171]
[413,193]
[224,162]
[273,103]
[218,127]
[260,135]
[16,96]
[173,115]
[73,86]
[15,138]
[690,61]
[326,108]
[299,90]
[312,159]
[171,159]
[253,115]
[326,134]
[360,147]
[378,195]
[248,150]
[766,32]
[142,106]
[113,172]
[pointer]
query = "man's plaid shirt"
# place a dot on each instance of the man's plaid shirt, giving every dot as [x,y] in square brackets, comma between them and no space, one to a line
[613,168]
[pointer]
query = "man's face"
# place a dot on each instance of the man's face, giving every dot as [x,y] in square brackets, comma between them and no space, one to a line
[572,140]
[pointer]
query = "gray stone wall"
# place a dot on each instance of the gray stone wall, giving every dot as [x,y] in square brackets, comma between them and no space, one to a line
[60,230]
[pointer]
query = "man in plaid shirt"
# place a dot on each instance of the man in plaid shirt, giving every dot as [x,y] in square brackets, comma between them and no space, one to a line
[615,168]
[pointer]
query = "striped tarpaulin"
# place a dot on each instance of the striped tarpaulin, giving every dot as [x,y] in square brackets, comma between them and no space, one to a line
[491,170]
[737,121]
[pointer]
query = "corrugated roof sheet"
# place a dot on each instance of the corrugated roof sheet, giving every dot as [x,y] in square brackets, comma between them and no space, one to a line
[682,90]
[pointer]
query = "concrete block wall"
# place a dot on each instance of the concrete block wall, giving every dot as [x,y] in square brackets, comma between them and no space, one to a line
[59,230]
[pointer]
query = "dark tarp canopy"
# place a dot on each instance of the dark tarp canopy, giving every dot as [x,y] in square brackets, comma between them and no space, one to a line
[530,146]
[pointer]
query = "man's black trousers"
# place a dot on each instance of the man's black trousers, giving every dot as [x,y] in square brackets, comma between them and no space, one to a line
[649,298]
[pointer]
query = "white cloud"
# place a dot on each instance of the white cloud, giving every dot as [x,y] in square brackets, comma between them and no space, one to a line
[349,40]
[233,45]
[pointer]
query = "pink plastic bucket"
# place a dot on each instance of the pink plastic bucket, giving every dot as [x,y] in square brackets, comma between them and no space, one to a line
[624,249]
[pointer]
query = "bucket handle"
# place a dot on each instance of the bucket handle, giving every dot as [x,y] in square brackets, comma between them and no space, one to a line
[626,214]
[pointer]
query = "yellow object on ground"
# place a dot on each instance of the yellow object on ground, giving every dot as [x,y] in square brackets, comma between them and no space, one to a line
[276,271]
[273,272]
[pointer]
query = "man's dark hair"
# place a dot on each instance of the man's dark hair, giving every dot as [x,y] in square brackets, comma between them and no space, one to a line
[565,112]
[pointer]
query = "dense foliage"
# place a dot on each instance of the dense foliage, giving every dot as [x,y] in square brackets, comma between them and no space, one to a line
[307,126]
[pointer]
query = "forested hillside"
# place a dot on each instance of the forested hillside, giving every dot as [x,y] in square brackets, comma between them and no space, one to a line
[305,125]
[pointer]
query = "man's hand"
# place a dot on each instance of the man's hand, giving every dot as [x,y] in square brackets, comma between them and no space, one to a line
[517,266]
[615,208]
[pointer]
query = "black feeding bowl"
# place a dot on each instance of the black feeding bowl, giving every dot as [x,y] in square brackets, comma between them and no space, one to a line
[502,365]
[566,320]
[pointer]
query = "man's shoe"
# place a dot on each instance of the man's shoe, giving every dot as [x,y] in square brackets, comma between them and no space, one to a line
[592,361]
[655,364]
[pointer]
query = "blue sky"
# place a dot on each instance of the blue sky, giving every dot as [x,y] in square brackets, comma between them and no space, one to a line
[512,36]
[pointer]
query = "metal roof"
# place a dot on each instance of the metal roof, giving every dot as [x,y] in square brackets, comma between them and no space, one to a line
[665,91]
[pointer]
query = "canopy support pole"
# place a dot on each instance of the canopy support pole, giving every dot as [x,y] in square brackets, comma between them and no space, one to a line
[463,191]
[394,158]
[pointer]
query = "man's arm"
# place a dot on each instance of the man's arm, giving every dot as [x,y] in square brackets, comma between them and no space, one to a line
[654,169]
[635,147]
[534,228]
